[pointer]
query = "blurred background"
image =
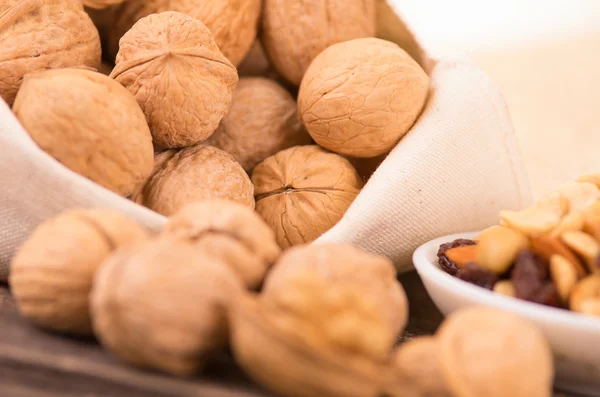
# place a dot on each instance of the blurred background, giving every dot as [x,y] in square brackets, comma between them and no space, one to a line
[545,57]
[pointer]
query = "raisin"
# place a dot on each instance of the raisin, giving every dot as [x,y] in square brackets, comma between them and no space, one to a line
[445,263]
[530,278]
[474,274]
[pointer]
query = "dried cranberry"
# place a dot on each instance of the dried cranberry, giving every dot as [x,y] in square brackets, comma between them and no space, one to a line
[530,278]
[474,274]
[445,263]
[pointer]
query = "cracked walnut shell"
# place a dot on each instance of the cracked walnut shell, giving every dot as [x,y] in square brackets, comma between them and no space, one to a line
[233,23]
[51,274]
[374,275]
[43,34]
[192,174]
[303,191]
[89,123]
[163,304]
[232,232]
[358,98]
[294,32]
[263,120]
[183,83]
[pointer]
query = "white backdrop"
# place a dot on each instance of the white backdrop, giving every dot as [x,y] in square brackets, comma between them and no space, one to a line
[545,56]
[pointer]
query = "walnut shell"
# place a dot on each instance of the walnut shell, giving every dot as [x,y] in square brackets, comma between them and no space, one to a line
[522,360]
[51,274]
[233,23]
[192,174]
[43,34]
[163,305]
[231,231]
[183,83]
[262,121]
[360,97]
[308,343]
[415,370]
[89,123]
[294,32]
[374,275]
[303,191]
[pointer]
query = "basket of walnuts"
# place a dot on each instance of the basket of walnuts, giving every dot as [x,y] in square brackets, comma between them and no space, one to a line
[329,119]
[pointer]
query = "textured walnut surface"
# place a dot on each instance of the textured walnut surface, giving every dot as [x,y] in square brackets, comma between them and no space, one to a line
[181,80]
[303,191]
[90,123]
[296,31]
[262,121]
[192,174]
[42,34]
[233,23]
[360,97]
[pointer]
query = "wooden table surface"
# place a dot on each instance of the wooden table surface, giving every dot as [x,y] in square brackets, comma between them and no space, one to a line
[38,363]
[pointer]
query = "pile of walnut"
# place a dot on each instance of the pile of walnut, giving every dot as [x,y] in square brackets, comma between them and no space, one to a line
[315,320]
[547,254]
[167,120]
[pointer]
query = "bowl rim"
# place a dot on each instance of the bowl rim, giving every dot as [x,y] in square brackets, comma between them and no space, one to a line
[429,269]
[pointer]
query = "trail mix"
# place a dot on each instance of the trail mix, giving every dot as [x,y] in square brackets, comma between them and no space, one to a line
[548,253]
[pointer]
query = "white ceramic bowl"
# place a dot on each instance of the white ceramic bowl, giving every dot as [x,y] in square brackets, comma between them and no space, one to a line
[574,338]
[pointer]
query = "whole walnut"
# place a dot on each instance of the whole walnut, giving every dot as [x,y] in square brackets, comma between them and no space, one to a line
[233,23]
[43,34]
[231,231]
[294,32]
[192,174]
[90,123]
[373,275]
[315,338]
[51,274]
[360,97]
[262,121]
[301,192]
[163,304]
[183,83]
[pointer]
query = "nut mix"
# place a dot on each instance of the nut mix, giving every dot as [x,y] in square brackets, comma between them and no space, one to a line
[170,127]
[548,253]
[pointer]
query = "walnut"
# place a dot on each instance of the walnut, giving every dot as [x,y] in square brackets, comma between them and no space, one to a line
[43,34]
[162,304]
[315,339]
[486,352]
[51,274]
[183,83]
[262,121]
[89,123]
[303,191]
[192,174]
[232,232]
[294,32]
[374,275]
[233,23]
[415,370]
[360,97]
